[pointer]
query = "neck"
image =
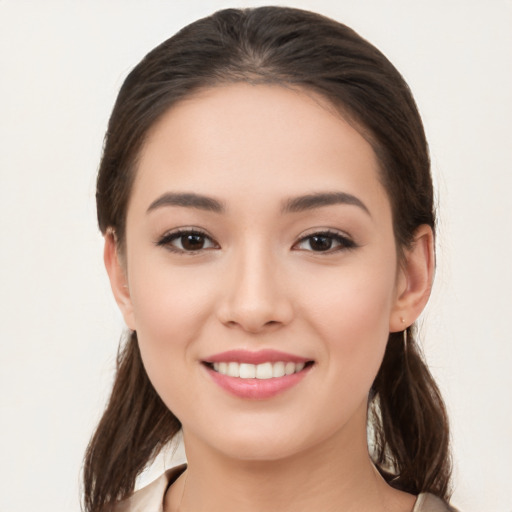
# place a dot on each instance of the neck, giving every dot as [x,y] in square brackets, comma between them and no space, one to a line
[336,475]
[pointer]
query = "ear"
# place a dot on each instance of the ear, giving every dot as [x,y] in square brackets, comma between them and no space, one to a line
[414,281]
[116,270]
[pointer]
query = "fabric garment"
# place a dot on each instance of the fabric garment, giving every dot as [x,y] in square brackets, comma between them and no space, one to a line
[151,497]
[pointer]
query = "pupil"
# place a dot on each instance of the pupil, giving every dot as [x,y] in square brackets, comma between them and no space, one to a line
[321,243]
[192,242]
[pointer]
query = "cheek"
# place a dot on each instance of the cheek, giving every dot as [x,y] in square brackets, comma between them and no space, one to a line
[358,299]
[171,307]
[167,297]
[352,316]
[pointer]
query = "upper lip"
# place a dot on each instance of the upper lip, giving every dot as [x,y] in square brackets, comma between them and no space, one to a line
[256,357]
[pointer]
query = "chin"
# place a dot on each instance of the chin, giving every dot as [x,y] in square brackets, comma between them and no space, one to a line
[260,441]
[261,450]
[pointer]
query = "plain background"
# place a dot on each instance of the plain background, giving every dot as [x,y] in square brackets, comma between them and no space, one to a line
[61,65]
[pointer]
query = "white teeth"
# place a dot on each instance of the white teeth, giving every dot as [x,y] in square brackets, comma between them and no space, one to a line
[289,368]
[247,371]
[264,371]
[233,369]
[278,370]
[258,371]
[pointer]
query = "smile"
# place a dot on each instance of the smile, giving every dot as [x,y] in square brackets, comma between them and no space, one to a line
[266,370]
[257,375]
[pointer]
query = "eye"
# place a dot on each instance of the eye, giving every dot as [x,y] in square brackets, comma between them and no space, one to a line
[325,241]
[187,241]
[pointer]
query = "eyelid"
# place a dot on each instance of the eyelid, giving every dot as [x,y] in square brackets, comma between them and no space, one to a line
[173,234]
[345,241]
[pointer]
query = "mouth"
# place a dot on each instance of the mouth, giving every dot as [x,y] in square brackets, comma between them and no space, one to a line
[257,375]
[262,371]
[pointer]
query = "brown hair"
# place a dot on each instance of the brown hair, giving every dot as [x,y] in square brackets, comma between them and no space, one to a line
[408,422]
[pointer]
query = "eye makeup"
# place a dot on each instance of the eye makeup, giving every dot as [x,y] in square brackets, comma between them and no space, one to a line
[187,240]
[325,241]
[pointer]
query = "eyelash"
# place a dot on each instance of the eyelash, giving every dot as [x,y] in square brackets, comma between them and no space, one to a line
[343,241]
[168,239]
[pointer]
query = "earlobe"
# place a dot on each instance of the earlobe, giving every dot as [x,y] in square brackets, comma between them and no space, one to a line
[415,281]
[117,274]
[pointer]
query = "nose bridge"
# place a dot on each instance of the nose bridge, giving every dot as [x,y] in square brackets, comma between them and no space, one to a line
[255,273]
[256,298]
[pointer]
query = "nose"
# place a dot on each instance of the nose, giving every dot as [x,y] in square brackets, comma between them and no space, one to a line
[255,299]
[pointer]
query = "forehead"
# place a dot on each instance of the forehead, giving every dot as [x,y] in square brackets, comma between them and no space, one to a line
[255,139]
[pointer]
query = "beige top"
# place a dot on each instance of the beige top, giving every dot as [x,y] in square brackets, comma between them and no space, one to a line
[151,497]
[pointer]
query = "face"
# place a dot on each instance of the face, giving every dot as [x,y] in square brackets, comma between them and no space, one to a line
[261,270]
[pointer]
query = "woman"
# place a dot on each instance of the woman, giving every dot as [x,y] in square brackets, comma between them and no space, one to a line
[267,206]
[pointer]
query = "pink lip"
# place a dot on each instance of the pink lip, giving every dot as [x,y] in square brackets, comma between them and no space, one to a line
[259,357]
[256,389]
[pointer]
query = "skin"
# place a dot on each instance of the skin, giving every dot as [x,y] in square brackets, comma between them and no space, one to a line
[258,283]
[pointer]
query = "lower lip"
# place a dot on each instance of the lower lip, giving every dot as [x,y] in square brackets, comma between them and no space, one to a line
[257,389]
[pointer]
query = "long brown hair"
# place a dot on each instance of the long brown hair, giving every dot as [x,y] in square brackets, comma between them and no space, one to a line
[408,423]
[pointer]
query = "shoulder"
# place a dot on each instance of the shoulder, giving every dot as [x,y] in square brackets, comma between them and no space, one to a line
[152,496]
[427,502]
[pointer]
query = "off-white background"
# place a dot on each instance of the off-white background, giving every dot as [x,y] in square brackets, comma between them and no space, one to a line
[61,64]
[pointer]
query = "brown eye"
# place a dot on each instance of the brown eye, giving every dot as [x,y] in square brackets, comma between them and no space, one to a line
[192,242]
[187,241]
[325,242]
[320,243]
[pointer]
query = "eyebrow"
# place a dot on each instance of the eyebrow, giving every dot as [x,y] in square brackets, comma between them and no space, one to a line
[319,199]
[187,200]
[293,205]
